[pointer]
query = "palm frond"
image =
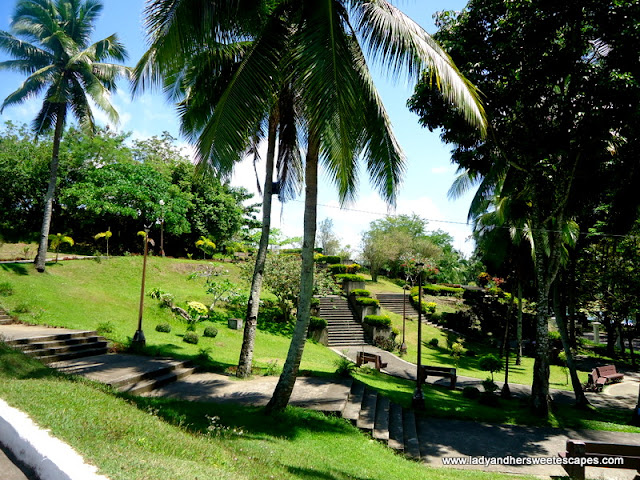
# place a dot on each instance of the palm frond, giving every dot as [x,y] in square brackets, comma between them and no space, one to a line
[31,87]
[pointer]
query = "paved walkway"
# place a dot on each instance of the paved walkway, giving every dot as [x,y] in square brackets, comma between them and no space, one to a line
[614,396]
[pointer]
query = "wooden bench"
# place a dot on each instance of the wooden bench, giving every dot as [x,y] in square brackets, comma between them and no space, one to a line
[440,372]
[609,373]
[591,452]
[595,382]
[365,357]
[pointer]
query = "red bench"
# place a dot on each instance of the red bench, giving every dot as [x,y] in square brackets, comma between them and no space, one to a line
[365,357]
[591,453]
[609,373]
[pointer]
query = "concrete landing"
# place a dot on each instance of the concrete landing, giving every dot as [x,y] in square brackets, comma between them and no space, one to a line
[16,331]
[309,392]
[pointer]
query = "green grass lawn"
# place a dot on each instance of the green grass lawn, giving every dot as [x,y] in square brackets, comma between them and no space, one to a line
[86,294]
[160,439]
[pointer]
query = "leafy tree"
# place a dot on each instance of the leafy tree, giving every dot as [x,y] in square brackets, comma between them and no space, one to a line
[327,238]
[550,73]
[63,62]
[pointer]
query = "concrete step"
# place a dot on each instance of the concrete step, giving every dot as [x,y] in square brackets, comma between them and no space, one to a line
[381,426]
[51,338]
[410,435]
[72,355]
[60,343]
[396,430]
[147,385]
[367,418]
[353,406]
[133,378]
[52,351]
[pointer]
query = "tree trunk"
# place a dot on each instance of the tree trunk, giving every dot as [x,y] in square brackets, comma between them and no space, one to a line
[41,258]
[558,306]
[251,319]
[287,379]
[571,304]
[519,324]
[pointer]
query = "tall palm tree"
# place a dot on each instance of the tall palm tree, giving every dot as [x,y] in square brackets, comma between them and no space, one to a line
[314,47]
[49,41]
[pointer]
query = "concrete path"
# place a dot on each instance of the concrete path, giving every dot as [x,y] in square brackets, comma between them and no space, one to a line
[614,396]
[9,470]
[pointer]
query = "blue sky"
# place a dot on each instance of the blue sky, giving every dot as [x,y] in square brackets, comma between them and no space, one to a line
[429,171]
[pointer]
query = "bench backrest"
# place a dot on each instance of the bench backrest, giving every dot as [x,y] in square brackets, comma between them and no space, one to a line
[447,370]
[369,357]
[606,370]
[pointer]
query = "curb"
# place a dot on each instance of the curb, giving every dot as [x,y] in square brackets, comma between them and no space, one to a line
[50,458]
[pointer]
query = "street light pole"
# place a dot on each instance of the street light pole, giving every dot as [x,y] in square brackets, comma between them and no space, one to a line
[139,341]
[403,347]
[417,402]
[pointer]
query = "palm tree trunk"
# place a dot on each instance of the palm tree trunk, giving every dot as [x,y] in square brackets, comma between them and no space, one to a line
[251,319]
[559,307]
[283,390]
[540,385]
[51,190]
[519,324]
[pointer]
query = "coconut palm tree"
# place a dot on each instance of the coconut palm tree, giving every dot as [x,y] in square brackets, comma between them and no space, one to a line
[315,47]
[49,41]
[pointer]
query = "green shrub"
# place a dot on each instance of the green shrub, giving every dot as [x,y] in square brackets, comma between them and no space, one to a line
[22,308]
[317,323]
[353,268]
[471,392]
[395,332]
[344,366]
[105,327]
[332,259]
[385,343]
[6,289]
[490,363]
[163,328]
[291,250]
[489,385]
[429,307]
[366,301]
[210,332]
[191,337]
[378,321]
[349,277]
[438,290]
[360,292]
[337,268]
[315,302]
[434,342]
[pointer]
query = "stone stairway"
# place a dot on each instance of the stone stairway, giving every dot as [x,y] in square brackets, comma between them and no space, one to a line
[62,346]
[394,303]
[342,328]
[387,422]
[4,318]
[128,373]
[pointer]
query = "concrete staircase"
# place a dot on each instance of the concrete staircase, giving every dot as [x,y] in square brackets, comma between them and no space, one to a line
[394,301]
[387,422]
[4,318]
[63,346]
[342,328]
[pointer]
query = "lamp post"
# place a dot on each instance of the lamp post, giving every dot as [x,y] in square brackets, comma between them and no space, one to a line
[161,220]
[139,341]
[417,402]
[403,347]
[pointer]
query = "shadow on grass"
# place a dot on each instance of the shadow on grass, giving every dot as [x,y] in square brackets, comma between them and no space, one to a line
[203,360]
[16,268]
[225,419]
[315,474]
[14,364]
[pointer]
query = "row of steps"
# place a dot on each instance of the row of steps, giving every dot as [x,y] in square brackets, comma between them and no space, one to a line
[4,318]
[387,422]
[394,302]
[342,328]
[64,346]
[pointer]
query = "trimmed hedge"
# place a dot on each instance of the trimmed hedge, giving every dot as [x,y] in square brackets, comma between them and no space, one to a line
[210,332]
[163,328]
[349,277]
[317,323]
[191,337]
[438,290]
[331,259]
[337,268]
[360,292]
[378,321]
[366,301]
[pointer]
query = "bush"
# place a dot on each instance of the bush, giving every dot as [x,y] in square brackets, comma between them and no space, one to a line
[360,292]
[163,328]
[353,268]
[385,343]
[344,366]
[429,307]
[398,281]
[349,277]
[490,363]
[291,250]
[490,400]
[366,301]
[317,323]
[434,342]
[105,327]
[191,337]
[210,332]
[331,259]
[337,268]
[489,385]
[378,321]
[315,302]
[471,392]
[6,289]
[22,308]
[438,290]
